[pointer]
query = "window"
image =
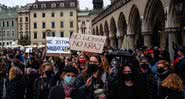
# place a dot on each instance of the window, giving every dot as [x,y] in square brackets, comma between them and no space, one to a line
[7,43]
[12,23]
[20,19]
[7,23]
[26,27]
[62,5]
[34,15]
[35,6]
[52,14]
[35,35]
[26,19]
[71,24]
[53,34]
[71,13]
[8,33]
[43,35]
[62,24]
[52,24]
[72,4]
[21,27]
[13,34]
[61,34]
[53,5]
[43,15]
[87,20]
[35,25]
[0,24]
[3,24]
[61,14]
[43,25]
[71,32]
[43,5]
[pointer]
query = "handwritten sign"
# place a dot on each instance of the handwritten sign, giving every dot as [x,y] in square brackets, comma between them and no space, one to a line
[87,43]
[58,45]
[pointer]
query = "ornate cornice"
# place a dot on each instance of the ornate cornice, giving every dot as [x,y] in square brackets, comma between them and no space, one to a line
[116,5]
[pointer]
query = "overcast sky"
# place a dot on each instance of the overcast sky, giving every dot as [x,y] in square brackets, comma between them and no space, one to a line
[83,3]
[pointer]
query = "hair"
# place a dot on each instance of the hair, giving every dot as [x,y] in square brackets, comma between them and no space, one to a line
[14,72]
[165,63]
[43,66]
[173,81]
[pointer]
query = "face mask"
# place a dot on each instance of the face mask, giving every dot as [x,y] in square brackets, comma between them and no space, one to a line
[92,68]
[145,66]
[69,80]
[128,76]
[48,73]
[161,70]
[82,60]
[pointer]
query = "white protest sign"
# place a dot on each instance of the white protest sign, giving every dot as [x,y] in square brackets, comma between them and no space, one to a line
[28,50]
[58,45]
[87,43]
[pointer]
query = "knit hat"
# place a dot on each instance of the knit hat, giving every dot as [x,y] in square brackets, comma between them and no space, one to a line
[70,68]
[182,49]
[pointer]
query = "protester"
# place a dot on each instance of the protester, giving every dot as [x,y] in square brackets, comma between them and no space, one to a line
[16,85]
[66,89]
[172,88]
[44,82]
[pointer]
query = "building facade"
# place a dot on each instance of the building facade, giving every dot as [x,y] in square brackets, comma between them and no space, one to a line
[23,25]
[138,23]
[52,18]
[84,22]
[8,27]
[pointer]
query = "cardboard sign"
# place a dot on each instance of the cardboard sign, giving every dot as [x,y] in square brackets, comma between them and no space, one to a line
[87,43]
[58,45]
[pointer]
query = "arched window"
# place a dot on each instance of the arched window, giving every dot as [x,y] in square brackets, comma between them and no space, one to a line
[72,4]
[35,6]
[53,5]
[43,5]
[62,5]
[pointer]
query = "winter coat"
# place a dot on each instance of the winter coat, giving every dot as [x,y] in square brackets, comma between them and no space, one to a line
[58,92]
[42,87]
[170,94]
[147,83]
[16,88]
[180,69]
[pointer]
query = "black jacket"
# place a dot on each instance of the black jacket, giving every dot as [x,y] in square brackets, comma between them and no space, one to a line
[16,88]
[170,94]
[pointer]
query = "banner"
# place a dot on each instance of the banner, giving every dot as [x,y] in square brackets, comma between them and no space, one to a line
[87,43]
[58,45]
[28,50]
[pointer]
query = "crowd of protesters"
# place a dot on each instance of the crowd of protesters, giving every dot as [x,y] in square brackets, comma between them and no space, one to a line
[150,74]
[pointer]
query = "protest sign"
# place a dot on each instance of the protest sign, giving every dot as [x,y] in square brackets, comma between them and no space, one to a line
[87,43]
[28,50]
[58,45]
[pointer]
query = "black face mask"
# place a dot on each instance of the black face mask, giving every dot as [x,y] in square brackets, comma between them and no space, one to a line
[128,76]
[145,66]
[48,73]
[161,70]
[92,68]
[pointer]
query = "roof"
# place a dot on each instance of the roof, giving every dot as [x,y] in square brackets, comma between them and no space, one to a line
[49,4]
[83,13]
[8,15]
[99,1]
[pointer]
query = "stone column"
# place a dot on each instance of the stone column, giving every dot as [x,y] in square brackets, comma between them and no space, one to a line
[131,41]
[147,39]
[120,41]
[171,38]
[112,42]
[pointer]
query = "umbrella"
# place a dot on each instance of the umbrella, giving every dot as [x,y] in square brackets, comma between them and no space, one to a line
[120,53]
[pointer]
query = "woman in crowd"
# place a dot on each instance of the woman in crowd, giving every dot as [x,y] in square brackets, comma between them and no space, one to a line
[172,88]
[44,82]
[127,86]
[16,85]
[66,89]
